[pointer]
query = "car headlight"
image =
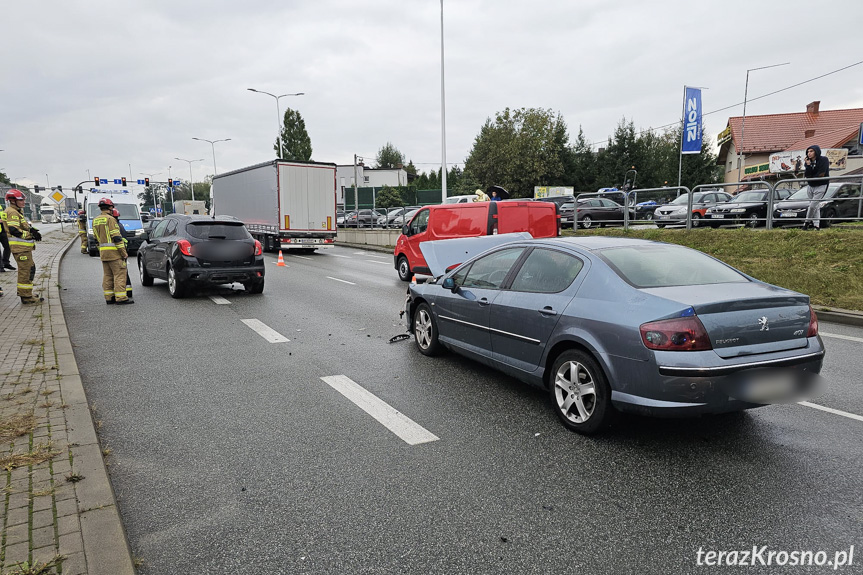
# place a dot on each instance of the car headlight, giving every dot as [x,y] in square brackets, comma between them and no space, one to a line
[139,232]
[738,210]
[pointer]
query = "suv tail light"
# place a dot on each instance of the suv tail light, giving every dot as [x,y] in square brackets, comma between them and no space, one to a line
[813,323]
[185,247]
[258,249]
[677,334]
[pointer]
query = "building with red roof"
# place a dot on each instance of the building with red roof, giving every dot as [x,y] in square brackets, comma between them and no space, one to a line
[759,137]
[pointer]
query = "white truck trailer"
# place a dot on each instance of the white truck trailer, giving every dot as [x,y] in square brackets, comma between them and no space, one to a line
[284,204]
[190,207]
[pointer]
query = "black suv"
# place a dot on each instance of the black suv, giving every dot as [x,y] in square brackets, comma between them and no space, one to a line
[190,251]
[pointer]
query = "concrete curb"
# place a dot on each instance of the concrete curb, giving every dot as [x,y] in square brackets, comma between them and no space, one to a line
[106,547]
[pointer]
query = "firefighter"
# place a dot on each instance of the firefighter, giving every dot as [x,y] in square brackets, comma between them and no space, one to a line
[112,252]
[123,233]
[22,243]
[82,230]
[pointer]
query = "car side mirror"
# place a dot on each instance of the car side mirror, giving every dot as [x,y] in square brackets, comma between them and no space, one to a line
[406,230]
[449,284]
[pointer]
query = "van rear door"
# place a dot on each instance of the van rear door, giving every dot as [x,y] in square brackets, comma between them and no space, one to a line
[540,219]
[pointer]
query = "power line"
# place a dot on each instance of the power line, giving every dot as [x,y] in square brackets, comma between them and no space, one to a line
[675,123]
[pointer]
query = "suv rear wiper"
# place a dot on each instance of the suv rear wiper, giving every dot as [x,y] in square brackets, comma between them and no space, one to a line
[217,237]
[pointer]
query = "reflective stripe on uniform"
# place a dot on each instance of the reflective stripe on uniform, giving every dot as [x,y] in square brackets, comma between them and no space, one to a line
[107,249]
[20,242]
[109,292]
[25,286]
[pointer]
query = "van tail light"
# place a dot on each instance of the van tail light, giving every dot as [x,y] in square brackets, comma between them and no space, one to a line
[185,247]
[813,323]
[258,249]
[677,334]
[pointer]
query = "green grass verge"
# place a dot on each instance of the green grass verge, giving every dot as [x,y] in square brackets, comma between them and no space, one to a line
[827,265]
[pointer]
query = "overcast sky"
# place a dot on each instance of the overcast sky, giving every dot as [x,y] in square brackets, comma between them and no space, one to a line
[100,85]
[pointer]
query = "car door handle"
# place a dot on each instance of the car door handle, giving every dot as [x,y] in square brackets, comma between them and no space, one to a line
[483,301]
[547,311]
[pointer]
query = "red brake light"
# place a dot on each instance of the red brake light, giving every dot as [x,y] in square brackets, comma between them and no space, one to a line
[678,334]
[258,249]
[185,247]
[813,323]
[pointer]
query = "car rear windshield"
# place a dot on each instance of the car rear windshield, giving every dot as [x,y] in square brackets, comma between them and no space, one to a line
[668,265]
[218,231]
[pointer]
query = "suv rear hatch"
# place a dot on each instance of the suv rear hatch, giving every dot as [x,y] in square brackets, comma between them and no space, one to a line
[221,244]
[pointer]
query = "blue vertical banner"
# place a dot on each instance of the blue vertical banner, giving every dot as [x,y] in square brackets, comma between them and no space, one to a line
[691,121]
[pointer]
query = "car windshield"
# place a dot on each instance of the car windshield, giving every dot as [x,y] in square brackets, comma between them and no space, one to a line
[801,194]
[661,265]
[218,231]
[684,198]
[751,197]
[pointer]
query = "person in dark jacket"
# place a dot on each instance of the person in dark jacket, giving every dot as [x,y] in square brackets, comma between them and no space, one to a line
[817,170]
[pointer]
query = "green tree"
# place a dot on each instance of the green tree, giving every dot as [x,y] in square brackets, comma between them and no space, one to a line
[388,197]
[389,157]
[583,170]
[296,144]
[410,168]
[520,149]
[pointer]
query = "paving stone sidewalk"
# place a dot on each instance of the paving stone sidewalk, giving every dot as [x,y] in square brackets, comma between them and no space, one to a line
[57,509]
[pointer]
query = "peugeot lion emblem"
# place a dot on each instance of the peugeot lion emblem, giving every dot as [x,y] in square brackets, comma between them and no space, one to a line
[762,321]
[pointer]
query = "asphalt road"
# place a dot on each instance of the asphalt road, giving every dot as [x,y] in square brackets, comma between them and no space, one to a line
[230,454]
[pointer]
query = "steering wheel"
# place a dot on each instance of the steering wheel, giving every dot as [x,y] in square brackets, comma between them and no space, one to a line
[496,277]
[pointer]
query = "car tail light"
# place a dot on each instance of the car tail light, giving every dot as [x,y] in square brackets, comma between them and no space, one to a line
[329,241]
[258,249]
[185,247]
[677,334]
[813,323]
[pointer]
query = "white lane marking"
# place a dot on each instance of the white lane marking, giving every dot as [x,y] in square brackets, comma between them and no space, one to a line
[837,336]
[265,331]
[378,256]
[339,256]
[377,262]
[343,281]
[219,300]
[408,430]
[301,257]
[831,410]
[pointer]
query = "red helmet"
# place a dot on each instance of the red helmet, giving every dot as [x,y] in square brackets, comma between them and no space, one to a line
[106,202]
[14,194]
[115,213]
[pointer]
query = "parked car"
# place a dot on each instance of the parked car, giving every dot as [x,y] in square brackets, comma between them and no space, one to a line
[361,219]
[747,208]
[609,323]
[567,214]
[198,251]
[590,212]
[396,217]
[151,224]
[675,212]
[644,210]
[841,202]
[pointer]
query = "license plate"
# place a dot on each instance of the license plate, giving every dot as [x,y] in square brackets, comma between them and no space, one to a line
[663,218]
[719,216]
[788,215]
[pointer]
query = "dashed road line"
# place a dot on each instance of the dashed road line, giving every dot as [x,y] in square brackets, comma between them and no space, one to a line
[265,331]
[377,262]
[838,336]
[407,429]
[339,256]
[301,257]
[343,281]
[831,410]
[219,300]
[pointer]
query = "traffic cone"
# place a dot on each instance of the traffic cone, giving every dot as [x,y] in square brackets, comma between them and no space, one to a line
[281,261]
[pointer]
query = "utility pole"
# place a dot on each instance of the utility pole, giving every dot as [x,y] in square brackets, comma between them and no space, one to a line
[356,201]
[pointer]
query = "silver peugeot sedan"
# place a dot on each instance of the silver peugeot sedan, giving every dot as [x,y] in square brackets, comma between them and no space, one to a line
[609,324]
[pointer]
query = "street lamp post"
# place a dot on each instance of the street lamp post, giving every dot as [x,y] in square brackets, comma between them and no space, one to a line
[191,180]
[278,113]
[213,146]
[740,157]
[442,112]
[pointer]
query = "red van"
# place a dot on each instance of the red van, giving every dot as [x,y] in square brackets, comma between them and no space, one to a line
[448,221]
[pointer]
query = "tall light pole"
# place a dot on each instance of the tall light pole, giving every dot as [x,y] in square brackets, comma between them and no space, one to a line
[213,146]
[278,112]
[442,112]
[171,189]
[191,180]
[740,157]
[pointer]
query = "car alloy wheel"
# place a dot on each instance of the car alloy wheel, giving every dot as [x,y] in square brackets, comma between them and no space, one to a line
[586,222]
[752,221]
[146,279]
[580,394]
[696,220]
[175,287]
[425,331]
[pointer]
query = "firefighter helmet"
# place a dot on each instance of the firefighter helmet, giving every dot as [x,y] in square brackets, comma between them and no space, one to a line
[14,194]
[106,202]
[115,213]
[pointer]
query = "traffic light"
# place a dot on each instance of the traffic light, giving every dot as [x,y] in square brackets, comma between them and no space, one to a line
[36,189]
[146,181]
[60,189]
[96,181]
[123,180]
[170,183]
